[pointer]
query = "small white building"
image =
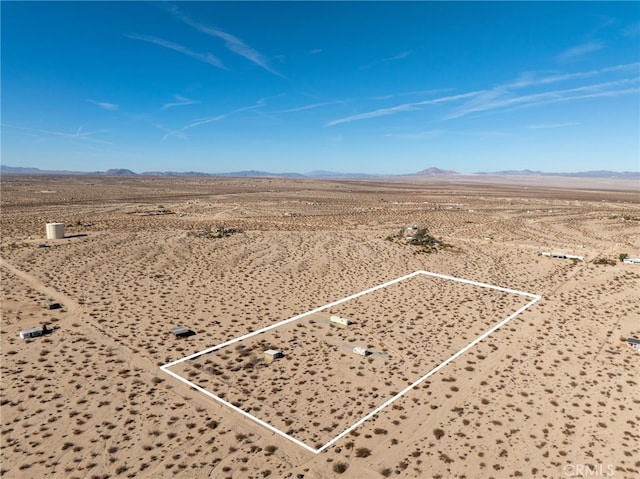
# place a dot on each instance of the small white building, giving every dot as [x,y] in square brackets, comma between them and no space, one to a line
[182,332]
[340,321]
[273,354]
[631,260]
[32,332]
[55,230]
[562,256]
[361,351]
[634,343]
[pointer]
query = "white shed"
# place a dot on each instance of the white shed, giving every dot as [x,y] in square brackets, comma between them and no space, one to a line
[32,332]
[340,321]
[271,354]
[634,343]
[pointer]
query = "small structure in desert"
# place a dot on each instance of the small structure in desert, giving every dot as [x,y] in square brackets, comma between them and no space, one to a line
[340,321]
[562,256]
[634,343]
[33,332]
[182,332]
[50,304]
[55,231]
[631,260]
[273,354]
[361,351]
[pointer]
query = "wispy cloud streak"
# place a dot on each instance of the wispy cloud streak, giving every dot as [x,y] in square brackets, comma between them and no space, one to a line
[105,105]
[311,106]
[374,114]
[503,101]
[399,56]
[203,57]
[400,108]
[232,42]
[179,133]
[181,101]
[80,134]
[506,97]
[529,79]
[580,51]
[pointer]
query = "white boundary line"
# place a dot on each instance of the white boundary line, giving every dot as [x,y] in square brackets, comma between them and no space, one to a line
[165,367]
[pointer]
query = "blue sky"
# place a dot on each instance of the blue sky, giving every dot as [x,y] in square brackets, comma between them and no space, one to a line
[375,87]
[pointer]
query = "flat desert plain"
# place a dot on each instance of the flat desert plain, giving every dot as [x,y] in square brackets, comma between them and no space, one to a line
[554,393]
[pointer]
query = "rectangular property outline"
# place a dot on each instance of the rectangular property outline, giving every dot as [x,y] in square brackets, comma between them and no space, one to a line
[165,367]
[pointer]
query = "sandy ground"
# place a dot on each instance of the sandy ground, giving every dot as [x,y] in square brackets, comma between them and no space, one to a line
[555,393]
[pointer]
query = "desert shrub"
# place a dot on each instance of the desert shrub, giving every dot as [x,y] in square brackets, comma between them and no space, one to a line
[604,261]
[438,433]
[363,452]
[340,467]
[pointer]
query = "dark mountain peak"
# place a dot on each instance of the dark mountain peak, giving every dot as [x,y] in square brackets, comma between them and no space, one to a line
[118,172]
[435,171]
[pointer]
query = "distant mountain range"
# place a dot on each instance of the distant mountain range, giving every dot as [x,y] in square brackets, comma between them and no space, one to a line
[433,171]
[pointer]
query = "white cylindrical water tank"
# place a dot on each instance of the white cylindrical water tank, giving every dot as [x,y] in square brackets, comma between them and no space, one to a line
[55,230]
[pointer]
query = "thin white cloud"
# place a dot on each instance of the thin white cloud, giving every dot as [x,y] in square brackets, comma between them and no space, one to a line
[80,134]
[232,42]
[529,78]
[394,58]
[399,56]
[315,51]
[401,108]
[168,132]
[180,101]
[374,114]
[203,121]
[550,126]
[580,51]
[450,98]
[105,105]
[411,93]
[179,133]
[203,57]
[502,100]
[309,107]
[261,102]
[382,97]
[505,97]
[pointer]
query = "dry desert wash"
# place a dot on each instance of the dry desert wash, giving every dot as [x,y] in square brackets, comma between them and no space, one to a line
[151,270]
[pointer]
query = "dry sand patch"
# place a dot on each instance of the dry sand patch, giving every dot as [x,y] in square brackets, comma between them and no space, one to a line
[553,388]
[408,328]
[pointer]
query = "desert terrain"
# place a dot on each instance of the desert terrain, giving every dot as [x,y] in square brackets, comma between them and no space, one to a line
[555,393]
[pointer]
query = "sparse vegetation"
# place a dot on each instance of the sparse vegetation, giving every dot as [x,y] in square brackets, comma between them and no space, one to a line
[340,467]
[539,381]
